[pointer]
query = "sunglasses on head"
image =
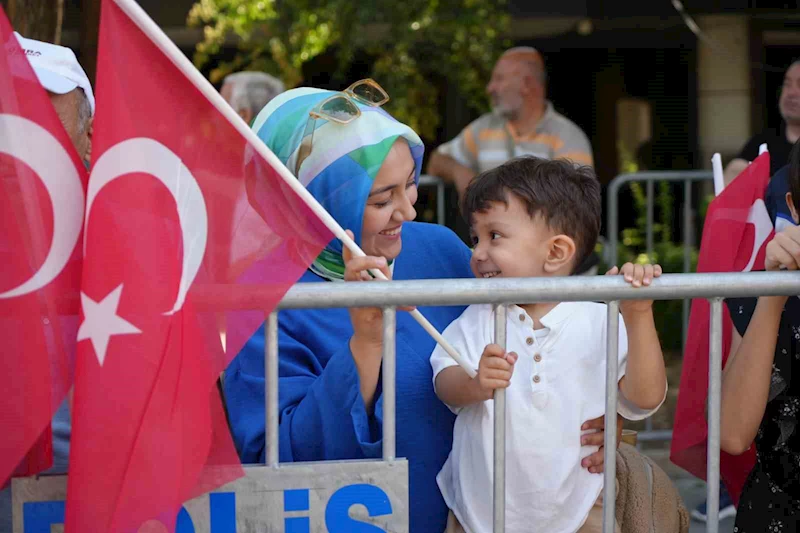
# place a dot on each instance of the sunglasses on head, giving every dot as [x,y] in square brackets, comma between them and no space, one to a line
[340,108]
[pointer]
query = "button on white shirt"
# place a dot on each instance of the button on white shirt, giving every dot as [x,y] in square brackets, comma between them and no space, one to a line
[558,384]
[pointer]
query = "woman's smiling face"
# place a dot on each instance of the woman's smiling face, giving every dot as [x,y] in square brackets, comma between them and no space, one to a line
[390,203]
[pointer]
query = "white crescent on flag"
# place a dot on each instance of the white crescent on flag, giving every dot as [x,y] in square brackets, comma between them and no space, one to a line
[151,157]
[142,155]
[36,147]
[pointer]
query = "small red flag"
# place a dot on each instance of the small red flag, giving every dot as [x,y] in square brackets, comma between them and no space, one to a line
[735,234]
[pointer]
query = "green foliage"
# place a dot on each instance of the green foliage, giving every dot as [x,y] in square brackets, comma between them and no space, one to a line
[413,45]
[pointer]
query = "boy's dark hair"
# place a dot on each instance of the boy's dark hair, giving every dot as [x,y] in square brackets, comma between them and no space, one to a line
[565,195]
[794,175]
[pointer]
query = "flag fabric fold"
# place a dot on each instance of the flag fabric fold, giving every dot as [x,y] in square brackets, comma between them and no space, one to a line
[736,230]
[42,190]
[175,208]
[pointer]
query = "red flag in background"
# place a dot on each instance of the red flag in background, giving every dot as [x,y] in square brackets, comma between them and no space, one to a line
[167,194]
[735,234]
[42,191]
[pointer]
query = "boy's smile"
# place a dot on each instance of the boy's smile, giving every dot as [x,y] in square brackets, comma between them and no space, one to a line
[508,242]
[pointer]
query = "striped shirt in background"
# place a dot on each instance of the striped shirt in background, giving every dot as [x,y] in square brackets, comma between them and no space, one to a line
[490,141]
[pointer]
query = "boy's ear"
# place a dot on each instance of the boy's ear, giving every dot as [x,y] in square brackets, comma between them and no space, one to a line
[792,208]
[560,252]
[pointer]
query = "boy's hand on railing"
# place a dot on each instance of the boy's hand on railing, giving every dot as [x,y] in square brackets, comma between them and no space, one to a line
[783,251]
[637,276]
[494,370]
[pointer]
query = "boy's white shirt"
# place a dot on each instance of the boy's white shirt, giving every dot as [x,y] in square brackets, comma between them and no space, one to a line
[547,489]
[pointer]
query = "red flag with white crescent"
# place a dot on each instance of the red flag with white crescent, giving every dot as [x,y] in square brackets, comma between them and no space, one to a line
[166,199]
[42,190]
[735,234]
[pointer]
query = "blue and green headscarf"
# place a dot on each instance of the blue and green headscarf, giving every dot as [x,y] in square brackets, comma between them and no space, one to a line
[344,159]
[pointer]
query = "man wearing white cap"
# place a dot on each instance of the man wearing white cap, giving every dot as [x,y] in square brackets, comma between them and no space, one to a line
[70,92]
[69,89]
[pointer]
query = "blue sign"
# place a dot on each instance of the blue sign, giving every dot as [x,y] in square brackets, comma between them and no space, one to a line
[39,516]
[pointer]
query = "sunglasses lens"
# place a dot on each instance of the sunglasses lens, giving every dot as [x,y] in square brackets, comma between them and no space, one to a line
[339,109]
[370,93]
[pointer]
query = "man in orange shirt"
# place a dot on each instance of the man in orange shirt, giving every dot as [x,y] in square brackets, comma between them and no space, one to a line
[522,122]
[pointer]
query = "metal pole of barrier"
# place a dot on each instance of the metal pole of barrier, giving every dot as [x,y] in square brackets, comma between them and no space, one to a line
[499,498]
[688,235]
[612,200]
[613,223]
[648,423]
[388,378]
[610,445]
[440,202]
[427,181]
[425,292]
[271,384]
[649,227]
[714,412]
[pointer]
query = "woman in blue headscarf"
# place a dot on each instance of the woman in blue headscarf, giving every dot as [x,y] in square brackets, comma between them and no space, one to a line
[363,167]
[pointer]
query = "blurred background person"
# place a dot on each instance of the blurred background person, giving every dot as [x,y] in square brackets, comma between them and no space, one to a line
[249,91]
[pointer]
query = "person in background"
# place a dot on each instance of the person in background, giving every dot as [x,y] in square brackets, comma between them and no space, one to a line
[779,142]
[522,122]
[248,92]
[760,391]
[67,86]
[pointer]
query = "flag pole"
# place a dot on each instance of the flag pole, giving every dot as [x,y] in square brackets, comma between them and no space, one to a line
[719,176]
[159,38]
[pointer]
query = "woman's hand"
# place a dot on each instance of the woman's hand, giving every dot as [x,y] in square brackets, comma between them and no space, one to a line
[367,321]
[595,462]
[366,344]
[783,251]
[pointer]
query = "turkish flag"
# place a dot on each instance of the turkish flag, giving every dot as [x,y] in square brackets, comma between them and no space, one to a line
[735,234]
[172,212]
[42,191]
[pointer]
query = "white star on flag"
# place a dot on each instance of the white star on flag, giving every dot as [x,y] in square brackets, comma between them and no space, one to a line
[101,322]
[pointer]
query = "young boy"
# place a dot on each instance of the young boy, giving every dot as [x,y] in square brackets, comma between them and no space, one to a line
[537,218]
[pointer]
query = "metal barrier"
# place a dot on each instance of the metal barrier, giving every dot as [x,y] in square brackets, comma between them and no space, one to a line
[612,216]
[426,180]
[262,499]
[688,227]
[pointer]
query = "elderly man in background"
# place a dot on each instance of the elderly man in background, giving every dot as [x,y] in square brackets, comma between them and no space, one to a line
[248,92]
[67,86]
[523,122]
[71,94]
[779,142]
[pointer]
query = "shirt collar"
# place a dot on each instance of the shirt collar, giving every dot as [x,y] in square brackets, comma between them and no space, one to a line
[549,112]
[555,318]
